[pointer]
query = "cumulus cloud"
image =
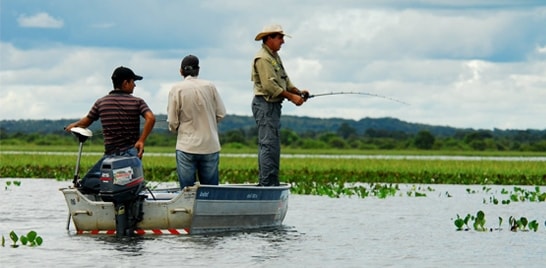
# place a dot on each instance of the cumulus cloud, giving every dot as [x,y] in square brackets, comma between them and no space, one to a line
[39,20]
[465,64]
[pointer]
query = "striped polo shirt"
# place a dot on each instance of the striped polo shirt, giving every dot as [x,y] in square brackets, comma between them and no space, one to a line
[119,114]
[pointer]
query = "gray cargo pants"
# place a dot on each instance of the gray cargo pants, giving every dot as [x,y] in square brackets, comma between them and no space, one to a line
[268,121]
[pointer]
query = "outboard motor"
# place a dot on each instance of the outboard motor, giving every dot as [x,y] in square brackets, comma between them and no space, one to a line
[122,181]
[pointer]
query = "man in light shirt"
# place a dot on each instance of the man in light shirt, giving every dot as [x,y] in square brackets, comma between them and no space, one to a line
[194,110]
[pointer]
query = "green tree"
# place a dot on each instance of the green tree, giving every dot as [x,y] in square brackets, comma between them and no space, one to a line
[233,136]
[424,140]
[346,131]
[338,143]
[289,137]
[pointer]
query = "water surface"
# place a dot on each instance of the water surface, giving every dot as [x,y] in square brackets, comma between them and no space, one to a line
[317,232]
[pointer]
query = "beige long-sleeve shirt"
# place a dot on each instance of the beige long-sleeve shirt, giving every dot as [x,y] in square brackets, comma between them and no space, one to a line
[194,110]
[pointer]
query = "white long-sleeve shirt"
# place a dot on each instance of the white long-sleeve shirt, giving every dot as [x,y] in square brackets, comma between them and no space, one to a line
[194,110]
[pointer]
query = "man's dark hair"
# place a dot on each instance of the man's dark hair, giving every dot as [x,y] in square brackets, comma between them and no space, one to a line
[273,35]
[190,66]
[117,83]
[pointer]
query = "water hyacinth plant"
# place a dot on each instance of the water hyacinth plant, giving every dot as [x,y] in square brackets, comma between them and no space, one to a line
[518,194]
[479,221]
[515,224]
[459,222]
[31,239]
[9,183]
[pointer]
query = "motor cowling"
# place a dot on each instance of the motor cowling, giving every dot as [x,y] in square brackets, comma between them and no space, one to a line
[122,179]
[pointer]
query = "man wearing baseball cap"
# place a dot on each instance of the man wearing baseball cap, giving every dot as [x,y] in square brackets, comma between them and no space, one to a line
[271,87]
[194,109]
[119,113]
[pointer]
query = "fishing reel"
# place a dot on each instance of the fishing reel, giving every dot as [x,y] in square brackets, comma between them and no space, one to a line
[305,95]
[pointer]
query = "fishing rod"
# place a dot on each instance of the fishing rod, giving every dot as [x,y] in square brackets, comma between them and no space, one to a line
[307,96]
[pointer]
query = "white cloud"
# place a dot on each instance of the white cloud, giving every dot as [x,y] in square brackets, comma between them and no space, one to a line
[39,20]
[63,82]
[463,64]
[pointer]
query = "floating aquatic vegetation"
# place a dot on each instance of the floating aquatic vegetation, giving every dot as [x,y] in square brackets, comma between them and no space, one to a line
[31,239]
[9,183]
[478,224]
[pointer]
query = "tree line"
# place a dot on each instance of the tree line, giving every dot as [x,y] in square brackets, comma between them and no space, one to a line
[344,136]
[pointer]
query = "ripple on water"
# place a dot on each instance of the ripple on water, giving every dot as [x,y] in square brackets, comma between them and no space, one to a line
[318,231]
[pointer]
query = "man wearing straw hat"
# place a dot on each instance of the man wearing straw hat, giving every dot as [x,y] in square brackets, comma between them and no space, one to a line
[271,87]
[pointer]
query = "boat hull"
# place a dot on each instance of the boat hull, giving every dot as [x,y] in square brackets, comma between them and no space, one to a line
[227,208]
[194,210]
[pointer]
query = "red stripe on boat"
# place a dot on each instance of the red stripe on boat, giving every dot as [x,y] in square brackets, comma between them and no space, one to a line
[137,231]
[173,231]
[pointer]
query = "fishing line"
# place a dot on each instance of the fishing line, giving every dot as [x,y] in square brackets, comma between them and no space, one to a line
[99,132]
[355,93]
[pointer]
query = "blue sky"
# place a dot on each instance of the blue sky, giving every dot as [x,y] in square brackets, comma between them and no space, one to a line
[475,64]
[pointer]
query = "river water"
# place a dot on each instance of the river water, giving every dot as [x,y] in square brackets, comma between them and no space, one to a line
[318,231]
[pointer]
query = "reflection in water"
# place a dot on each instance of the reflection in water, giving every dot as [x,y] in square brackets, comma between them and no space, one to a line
[132,246]
[276,243]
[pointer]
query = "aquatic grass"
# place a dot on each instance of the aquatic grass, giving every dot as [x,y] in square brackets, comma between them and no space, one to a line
[94,146]
[244,169]
[333,175]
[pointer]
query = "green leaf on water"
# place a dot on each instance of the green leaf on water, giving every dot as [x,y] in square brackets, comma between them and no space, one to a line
[479,222]
[533,225]
[524,222]
[459,223]
[466,219]
[480,215]
[31,235]
[24,240]
[13,237]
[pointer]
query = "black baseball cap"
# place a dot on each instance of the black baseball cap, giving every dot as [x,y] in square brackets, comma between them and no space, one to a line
[124,73]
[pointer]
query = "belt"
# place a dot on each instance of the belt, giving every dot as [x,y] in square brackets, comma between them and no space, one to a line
[263,96]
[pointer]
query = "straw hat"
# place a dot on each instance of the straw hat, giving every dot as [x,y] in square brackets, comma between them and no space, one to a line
[269,29]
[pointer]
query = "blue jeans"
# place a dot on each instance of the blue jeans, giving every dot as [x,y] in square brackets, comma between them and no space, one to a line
[203,166]
[90,183]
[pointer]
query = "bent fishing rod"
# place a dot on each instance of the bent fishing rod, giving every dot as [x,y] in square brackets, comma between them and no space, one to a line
[307,96]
